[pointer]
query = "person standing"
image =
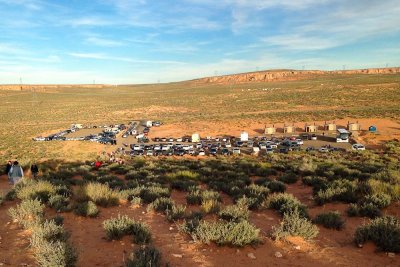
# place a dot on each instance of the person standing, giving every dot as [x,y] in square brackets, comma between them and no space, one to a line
[8,168]
[34,170]
[16,173]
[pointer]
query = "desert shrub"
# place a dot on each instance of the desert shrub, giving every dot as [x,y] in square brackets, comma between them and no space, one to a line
[28,212]
[365,210]
[234,213]
[151,193]
[289,178]
[161,204]
[176,212]
[145,257]
[183,185]
[11,195]
[48,231]
[257,194]
[286,203]
[57,253]
[222,232]
[101,194]
[338,190]
[380,200]
[380,187]
[136,201]
[197,196]
[111,181]
[86,209]
[210,206]
[41,190]
[317,183]
[195,215]
[276,186]
[118,227]
[59,202]
[384,232]
[294,224]
[183,175]
[58,220]
[331,220]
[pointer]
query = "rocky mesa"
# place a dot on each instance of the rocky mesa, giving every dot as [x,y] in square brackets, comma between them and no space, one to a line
[287,75]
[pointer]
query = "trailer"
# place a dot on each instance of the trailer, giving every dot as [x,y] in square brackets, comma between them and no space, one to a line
[342,136]
[244,136]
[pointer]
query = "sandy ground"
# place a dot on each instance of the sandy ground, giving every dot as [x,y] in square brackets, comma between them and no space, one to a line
[331,248]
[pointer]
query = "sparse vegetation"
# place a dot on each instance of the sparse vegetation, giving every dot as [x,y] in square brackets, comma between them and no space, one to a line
[294,224]
[331,220]
[123,225]
[384,232]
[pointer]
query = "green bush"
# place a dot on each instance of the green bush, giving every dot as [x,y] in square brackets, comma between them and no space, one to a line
[183,175]
[48,231]
[210,206]
[118,227]
[183,185]
[86,209]
[136,201]
[338,190]
[28,212]
[257,195]
[289,178]
[59,202]
[286,203]
[161,204]
[145,257]
[175,213]
[384,232]
[101,194]
[151,193]
[31,189]
[379,200]
[294,224]
[197,196]
[222,233]
[331,220]
[235,213]
[364,210]
[276,186]
[57,253]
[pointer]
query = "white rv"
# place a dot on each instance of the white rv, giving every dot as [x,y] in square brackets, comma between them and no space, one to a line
[195,138]
[244,137]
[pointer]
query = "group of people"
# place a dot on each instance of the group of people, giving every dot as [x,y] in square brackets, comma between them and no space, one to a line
[16,173]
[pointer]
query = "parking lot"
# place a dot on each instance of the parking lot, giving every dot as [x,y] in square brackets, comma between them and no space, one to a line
[134,139]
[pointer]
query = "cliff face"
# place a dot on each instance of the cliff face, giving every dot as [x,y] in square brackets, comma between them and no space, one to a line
[286,75]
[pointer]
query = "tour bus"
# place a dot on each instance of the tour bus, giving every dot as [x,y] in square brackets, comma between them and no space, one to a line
[342,136]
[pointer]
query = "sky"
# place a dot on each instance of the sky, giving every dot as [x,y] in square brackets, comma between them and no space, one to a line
[150,41]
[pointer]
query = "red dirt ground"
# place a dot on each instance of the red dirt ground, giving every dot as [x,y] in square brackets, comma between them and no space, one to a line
[331,247]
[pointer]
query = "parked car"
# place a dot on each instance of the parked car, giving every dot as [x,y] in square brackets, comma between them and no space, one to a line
[269,150]
[313,137]
[358,147]
[213,151]
[300,141]
[225,151]
[323,149]
[202,152]
[228,145]
[236,151]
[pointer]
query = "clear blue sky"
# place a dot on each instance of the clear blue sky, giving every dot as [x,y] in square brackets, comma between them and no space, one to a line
[145,41]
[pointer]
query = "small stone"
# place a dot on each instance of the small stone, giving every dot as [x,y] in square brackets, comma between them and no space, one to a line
[391,255]
[204,249]
[297,247]
[143,212]
[278,254]
[1,264]
[251,256]
[171,228]
[237,251]
[123,243]
[177,255]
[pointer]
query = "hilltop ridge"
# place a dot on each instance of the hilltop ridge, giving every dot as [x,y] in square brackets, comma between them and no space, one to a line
[288,75]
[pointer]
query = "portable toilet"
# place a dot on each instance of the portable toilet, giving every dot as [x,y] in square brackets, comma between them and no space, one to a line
[270,130]
[331,126]
[310,128]
[353,126]
[244,136]
[195,138]
[372,129]
[288,129]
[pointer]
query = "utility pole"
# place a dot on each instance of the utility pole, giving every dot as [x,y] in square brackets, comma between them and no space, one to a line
[20,82]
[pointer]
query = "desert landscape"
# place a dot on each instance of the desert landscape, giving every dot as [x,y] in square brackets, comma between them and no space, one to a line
[185,133]
[296,209]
